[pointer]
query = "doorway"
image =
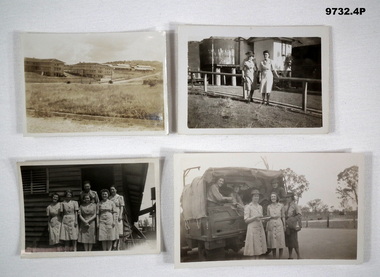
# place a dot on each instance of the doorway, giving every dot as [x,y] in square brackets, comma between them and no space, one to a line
[100,177]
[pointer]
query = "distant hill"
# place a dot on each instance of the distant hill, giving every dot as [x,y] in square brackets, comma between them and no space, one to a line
[155,64]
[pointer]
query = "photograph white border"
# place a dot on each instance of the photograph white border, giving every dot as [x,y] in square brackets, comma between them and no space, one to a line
[187,33]
[155,162]
[166,121]
[182,161]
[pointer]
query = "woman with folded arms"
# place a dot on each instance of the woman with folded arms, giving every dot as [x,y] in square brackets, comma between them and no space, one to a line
[87,226]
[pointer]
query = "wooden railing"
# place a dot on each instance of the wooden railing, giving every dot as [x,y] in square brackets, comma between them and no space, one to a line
[305,82]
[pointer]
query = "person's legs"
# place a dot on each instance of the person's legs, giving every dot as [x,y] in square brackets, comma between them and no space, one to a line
[263,98]
[280,253]
[298,252]
[74,245]
[268,96]
[290,249]
[274,253]
[90,246]
[104,245]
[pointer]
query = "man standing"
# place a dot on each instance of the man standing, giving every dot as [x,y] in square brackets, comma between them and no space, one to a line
[214,197]
[87,190]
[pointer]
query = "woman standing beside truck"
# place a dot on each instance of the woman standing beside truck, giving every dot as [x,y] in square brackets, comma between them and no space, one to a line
[255,241]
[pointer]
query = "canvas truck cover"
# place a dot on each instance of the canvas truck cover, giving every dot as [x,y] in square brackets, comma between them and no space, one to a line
[194,202]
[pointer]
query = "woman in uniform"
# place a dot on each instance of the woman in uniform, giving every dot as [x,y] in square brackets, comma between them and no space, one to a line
[107,218]
[255,242]
[69,229]
[119,203]
[275,226]
[87,226]
[291,235]
[53,212]
[266,77]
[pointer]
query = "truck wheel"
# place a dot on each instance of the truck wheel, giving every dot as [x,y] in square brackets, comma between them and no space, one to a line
[215,254]
[201,251]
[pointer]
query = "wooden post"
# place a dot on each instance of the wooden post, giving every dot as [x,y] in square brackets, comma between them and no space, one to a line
[234,77]
[192,79]
[328,220]
[304,96]
[205,82]
[217,77]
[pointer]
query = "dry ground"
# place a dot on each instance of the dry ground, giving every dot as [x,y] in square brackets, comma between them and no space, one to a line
[99,107]
[211,112]
[313,243]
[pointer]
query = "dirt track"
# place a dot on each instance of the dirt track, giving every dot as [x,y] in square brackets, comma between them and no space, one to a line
[70,125]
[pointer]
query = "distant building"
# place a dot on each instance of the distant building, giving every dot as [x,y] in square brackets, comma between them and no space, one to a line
[120,67]
[91,70]
[144,68]
[48,67]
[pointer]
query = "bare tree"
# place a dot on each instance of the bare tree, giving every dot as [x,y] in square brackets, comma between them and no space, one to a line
[298,184]
[347,186]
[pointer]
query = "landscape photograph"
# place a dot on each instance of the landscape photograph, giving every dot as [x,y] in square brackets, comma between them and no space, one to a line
[95,83]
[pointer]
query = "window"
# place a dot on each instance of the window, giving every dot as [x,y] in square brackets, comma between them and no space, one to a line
[35,180]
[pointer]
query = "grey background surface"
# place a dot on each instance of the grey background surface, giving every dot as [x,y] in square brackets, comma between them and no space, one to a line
[354,111]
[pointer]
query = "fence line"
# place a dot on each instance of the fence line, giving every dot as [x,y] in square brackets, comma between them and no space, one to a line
[305,82]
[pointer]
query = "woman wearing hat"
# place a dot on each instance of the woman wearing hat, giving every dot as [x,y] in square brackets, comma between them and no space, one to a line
[266,77]
[255,241]
[275,225]
[248,72]
[291,235]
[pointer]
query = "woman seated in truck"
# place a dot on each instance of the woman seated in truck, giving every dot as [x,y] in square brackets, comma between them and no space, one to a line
[255,240]
[214,197]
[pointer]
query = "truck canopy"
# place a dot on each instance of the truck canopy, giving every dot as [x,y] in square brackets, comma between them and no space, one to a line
[194,202]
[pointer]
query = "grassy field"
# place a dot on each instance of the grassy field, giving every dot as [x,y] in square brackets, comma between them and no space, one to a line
[126,101]
[210,112]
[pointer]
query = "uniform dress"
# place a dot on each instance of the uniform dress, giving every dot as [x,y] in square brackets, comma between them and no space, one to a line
[119,203]
[291,236]
[87,233]
[107,211]
[266,68]
[55,222]
[68,230]
[275,227]
[255,242]
[249,68]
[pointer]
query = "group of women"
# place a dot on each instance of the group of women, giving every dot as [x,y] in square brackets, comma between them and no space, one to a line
[91,221]
[264,72]
[278,232]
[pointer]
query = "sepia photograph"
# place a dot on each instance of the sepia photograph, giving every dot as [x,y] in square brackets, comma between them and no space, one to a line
[253,79]
[268,208]
[95,83]
[90,207]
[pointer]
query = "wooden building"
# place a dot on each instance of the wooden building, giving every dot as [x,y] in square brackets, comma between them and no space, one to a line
[91,70]
[48,67]
[40,182]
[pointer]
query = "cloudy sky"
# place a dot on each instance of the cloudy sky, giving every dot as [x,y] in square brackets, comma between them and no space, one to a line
[95,47]
[320,169]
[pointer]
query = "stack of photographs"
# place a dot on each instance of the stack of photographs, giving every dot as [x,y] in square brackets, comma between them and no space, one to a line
[229,208]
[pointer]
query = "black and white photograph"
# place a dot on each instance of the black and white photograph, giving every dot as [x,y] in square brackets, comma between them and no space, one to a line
[95,83]
[90,207]
[253,79]
[268,208]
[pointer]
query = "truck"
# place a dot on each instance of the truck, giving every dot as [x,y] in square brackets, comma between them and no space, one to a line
[215,229]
